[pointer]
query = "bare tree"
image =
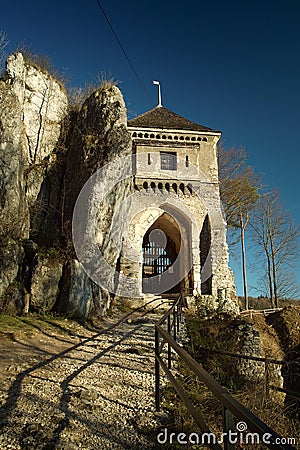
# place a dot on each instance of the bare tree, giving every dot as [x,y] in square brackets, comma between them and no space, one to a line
[239,193]
[239,197]
[276,235]
[231,162]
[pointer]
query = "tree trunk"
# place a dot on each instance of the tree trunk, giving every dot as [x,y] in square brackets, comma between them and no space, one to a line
[274,273]
[270,281]
[243,225]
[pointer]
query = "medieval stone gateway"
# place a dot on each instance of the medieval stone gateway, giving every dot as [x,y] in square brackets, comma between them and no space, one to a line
[176,222]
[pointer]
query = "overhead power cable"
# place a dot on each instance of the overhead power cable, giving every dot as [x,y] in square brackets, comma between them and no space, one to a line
[122,48]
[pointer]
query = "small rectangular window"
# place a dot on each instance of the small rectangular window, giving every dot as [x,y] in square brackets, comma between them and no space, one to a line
[186,161]
[168,161]
[149,159]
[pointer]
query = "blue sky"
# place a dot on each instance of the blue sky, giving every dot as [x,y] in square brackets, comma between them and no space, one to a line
[233,66]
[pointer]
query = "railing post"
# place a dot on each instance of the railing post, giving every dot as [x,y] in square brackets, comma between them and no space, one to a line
[177,317]
[169,347]
[174,323]
[157,374]
[267,378]
[228,425]
[179,309]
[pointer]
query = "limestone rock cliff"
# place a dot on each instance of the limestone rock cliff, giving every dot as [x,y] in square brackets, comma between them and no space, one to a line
[46,156]
[99,135]
[14,213]
[44,105]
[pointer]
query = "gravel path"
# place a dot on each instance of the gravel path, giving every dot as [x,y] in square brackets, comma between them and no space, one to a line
[97,393]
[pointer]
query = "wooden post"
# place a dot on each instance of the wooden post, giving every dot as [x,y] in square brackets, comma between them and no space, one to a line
[157,375]
[228,424]
[174,323]
[169,347]
[267,368]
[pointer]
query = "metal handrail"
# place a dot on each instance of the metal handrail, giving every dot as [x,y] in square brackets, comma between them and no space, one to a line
[266,362]
[242,356]
[231,407]
[264,312]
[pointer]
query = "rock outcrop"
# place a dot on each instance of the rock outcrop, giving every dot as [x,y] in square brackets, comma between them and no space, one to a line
[44,105]
[47,153]
[14,212]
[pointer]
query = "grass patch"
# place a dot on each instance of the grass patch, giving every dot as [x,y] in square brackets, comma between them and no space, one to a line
[34,323]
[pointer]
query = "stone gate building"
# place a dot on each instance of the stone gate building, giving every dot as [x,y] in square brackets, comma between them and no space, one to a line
[177,227]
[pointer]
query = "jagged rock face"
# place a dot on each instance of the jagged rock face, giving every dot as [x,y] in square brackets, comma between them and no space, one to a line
[43,167]
[44,105]
[14,215]
[32,108]
[45,283]
[78,294]
[11,289]
[100,135]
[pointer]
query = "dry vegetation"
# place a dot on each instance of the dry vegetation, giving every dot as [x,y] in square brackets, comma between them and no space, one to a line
[78,94]
[219,334]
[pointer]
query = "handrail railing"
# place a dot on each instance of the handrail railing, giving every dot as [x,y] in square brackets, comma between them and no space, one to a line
[265,361]
[231,407]
[264,312]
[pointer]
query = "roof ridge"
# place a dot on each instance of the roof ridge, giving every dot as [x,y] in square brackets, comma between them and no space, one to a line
[164,118]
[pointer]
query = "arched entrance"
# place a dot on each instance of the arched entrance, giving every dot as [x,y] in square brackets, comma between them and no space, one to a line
[161,270]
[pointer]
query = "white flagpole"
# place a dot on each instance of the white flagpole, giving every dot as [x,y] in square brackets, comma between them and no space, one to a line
[159,92]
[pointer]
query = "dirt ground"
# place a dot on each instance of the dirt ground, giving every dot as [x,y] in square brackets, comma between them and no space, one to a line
[66,386]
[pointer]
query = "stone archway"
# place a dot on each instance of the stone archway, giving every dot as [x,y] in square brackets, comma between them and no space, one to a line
[180,226]
[160,249]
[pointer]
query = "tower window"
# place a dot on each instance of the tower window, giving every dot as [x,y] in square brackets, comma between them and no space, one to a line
[149,159]
[168,161]
[187,161]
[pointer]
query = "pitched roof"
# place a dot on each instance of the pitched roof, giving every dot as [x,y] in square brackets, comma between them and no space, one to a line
[163,118]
